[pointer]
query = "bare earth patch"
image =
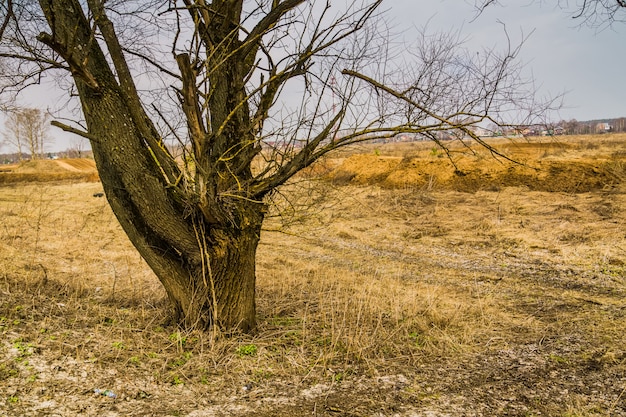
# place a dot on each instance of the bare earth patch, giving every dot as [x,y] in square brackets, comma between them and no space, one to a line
[393,298]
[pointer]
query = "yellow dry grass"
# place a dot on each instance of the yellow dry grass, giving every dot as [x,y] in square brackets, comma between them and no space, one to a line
[390,298]
[561,164]
[45,170]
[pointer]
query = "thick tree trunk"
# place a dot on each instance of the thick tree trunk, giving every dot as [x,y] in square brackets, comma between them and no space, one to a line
[207,269]
[204,256]
[220,292]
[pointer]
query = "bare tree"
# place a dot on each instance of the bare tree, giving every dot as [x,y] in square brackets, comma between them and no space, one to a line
[76,148]
[595,13]
[27,129]
[12,135]
[251,92]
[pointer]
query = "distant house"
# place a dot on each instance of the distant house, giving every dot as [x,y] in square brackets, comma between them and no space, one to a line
[480,131]
[531,131]
[603,127]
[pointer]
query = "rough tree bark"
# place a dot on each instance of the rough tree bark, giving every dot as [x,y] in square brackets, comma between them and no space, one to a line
[202,251]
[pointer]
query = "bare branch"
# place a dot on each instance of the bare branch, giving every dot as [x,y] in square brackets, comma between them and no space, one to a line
[594,13]
[70,129]
[77,68]
[152,62]
[8,16]
[301,160]
[190,106]
[269,21]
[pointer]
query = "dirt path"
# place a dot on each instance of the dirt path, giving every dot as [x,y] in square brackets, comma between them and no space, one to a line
[67,166]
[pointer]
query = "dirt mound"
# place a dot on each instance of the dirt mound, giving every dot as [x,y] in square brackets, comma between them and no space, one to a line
[81,164]
[48,170]
[365,169]
[476,173]
[39,167]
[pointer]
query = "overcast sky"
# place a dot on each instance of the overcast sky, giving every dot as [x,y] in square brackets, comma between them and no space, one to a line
[561,54]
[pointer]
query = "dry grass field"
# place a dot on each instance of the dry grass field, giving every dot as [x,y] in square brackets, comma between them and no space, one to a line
[60,170]
[408,290]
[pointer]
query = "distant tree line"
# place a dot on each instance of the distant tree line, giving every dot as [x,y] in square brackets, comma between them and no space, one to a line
[574,127]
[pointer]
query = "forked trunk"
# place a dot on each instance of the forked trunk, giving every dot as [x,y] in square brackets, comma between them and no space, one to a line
[207,268]
[202,252]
